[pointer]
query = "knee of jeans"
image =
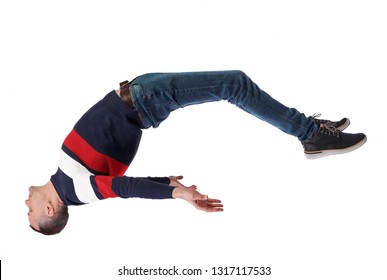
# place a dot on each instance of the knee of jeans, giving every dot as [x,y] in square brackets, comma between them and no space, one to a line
[241,87]
[240,75]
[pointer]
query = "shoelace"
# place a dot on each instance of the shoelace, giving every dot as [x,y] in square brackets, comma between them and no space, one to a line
[328,128]
[315,116]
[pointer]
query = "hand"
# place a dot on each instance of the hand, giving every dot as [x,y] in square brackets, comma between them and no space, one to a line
[190,194]
[175,181]
[207,204]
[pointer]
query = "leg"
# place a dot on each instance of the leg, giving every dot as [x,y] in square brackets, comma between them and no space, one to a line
[156,95]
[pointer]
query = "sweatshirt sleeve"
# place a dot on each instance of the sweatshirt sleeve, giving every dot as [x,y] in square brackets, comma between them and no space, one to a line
[126,187]
[162,180]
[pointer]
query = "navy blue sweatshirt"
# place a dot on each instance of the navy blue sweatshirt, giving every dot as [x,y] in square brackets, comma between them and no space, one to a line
[97,153]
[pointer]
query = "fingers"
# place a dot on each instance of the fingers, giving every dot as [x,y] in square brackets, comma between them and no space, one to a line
[176,178]
[214,200]
[216,206]
[209,205]
[214,209]
[209,200]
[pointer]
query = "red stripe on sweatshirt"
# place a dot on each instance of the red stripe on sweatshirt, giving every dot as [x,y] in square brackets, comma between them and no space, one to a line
[93,159]
[104,185]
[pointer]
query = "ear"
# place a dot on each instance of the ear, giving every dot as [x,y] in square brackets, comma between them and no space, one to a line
[50,209]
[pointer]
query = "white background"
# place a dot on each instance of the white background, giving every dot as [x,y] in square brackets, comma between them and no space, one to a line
[307,219]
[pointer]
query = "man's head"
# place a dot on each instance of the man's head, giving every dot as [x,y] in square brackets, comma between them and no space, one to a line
[47,213]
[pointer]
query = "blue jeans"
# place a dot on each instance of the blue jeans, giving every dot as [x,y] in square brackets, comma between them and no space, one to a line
[156,95]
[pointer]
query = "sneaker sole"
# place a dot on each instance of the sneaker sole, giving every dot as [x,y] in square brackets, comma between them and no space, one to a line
[324,153]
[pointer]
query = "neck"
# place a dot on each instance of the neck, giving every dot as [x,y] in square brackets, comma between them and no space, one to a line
[51,192]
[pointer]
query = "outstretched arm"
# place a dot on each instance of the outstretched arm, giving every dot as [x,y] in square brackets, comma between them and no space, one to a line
[125,187]
[191,195]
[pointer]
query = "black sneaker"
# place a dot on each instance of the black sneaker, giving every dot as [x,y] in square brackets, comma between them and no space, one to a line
[340,125]
[330,141]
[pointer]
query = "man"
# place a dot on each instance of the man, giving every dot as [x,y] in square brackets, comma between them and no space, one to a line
[98,151]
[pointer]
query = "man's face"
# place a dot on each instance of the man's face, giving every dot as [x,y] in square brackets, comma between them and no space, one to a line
[36,205]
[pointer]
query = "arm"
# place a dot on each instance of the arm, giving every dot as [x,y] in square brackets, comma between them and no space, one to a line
[126,187]
[163,180]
